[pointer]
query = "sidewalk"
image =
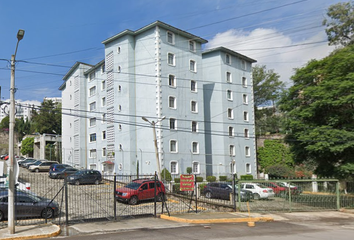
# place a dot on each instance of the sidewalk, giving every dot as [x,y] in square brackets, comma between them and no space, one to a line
[163,221]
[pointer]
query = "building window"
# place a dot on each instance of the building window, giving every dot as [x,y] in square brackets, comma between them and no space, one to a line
[194,126]
[118,49]
[91,76]
[173,124]
[93,91]
[247,151]
[194,106]
[92,122]
[170,38]
[195,147]
[246,133]
[193,86]
[245,116]
[92,153]
[119,108]
[231,132]
[173,146]
[119,88]
[192,47]
[119,69]
[103,68]
[232,150]
[192,66]
[104,116]
[243,64]
[228,77]
[93,137]
[103,135]
[244,82]
[103,101]
[104,152]
[171,59]
[233,166]
[120,127]
[93,106]
[174,167]
[103,85]
[228,59]
[171,80]
[248,168]
[229,95]
[196,168]
[245,99]
[230,113]
[71,97]
[172,102]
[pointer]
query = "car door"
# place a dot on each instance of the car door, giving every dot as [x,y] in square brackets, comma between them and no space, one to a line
[224,191]
[25,206]
[143,191]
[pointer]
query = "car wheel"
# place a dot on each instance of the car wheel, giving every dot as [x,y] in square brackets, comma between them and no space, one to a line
[77,182]
[47,213]
[97,182]
[208,195]
[256,196]
[133,200]
[161,197]
[1,216]
[37,170]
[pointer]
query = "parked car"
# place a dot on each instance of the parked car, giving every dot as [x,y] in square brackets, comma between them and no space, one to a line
[294,189]
[58,167]
[62,173]
[28,205]
[259,191]
[85,176]
[41,166]
[223,191]
[279,190]
[28,165]
[140,189]
[20,185]
[25,162]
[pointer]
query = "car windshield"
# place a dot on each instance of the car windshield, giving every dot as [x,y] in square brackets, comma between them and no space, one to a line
[37,163]
[281,184]
[133,185]
[261,185]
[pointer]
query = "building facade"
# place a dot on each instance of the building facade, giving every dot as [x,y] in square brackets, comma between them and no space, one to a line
[158,80]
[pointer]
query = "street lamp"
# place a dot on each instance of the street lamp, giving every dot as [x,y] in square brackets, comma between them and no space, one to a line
[153,124]
[11,191]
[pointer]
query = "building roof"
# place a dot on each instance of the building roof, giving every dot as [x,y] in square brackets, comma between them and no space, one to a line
[154,24]
[68,74]
[231,52]
[95,67]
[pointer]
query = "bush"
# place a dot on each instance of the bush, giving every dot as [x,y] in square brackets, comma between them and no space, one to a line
[211,178]
[176,187]
[189,170]
[200,179]
[246,177]
[222,178]
[201,187]
[177,180]
[166,175]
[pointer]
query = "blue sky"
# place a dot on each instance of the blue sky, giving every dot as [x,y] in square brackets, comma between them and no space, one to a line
[279,34]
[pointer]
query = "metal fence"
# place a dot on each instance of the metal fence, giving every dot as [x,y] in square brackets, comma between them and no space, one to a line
[105,201]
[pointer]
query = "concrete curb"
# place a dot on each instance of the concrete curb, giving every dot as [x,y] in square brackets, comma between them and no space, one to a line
[23,233]
[220,220]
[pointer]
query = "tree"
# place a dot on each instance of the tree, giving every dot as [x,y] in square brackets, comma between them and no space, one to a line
[267,90]
[4,124]
[27,146]
[47,119]
[340,25]
[320,112]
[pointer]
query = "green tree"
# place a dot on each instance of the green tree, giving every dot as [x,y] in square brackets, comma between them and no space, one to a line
[27,146]
[4,122]
[47,119]
[340,24]
[267,90]
[320,112]
[274,153]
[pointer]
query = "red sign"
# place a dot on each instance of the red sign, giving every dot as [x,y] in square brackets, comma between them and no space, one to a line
[186,182]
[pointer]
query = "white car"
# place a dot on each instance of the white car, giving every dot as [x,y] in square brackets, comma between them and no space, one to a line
[259,191]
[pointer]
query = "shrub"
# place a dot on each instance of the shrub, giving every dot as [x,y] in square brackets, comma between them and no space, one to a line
[246,177]
[177,180]
[222,178]
[166,175]
[176,187]
[189,170]
[211,178]
[201,187]
[199,179]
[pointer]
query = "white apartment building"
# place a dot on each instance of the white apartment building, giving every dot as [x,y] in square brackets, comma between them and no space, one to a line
[200,103]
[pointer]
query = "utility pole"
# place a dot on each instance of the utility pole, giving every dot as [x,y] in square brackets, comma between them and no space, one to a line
[11,191]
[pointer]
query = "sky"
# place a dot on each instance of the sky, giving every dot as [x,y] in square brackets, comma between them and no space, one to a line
[280,34]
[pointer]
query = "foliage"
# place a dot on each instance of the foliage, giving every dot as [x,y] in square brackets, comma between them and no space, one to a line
[267,90]
[340,25]
[320,112]
[166,175]
[246,177]
[273,153]
[48,119]
[211,178]
[189,170]
[22,127]
[177,180]
[4,123]
[27,146]
[280,171]
[222,178]
[199,179]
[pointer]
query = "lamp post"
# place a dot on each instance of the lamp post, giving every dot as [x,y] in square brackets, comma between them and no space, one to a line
[153,124]
[11,191]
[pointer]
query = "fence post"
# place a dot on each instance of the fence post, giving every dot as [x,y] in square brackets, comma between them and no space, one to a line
[338,195]
[155,178]
[233,192]
[114,196]
[289,190]
[66,201]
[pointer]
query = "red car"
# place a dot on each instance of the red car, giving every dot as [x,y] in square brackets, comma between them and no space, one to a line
[277,188]
[140,189]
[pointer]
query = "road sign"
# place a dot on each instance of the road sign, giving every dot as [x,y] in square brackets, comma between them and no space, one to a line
[186,182]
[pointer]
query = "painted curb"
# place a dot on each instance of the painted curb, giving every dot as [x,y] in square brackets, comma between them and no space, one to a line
[36,236]
[221,220]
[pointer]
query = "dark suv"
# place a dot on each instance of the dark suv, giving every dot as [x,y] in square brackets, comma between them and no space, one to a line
[223,190]
[85,176]
[140,189]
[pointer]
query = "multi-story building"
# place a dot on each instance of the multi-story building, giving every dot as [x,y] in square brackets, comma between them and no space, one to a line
[200,105]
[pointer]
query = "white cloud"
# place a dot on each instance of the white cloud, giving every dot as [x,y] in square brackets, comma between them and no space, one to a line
[270,47]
